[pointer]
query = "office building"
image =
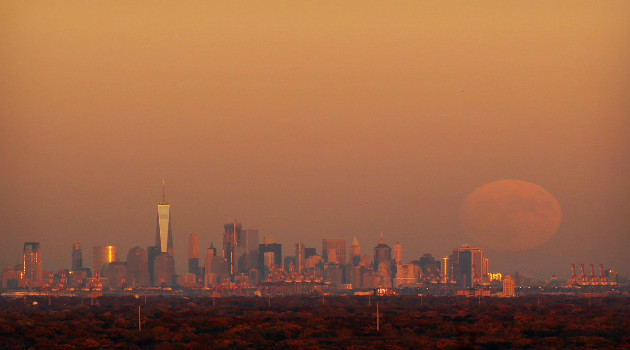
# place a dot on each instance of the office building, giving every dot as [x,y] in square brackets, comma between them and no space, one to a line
[163,270]
[77,257]
[266,260]
[116,273]
[163,230]
[397,254]
[152,253]
[161,258]
[338,245]
[445,270]
[355,252]
[32,265]
[308,252]
[193,254]
[299,257]
[509,286]
[382,253]
[101,256]
[137,268]
[215,267]
[469,266]
[247,250]
[231,234]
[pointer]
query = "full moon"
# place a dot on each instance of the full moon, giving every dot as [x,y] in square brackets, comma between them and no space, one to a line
[510,215]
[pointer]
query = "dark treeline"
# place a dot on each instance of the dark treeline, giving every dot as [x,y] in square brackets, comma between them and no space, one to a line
[309,322]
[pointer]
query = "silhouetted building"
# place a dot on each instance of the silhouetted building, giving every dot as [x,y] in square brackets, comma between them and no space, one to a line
[116,273]
[430,268]
[308,252]
[397,254]
[77,257]
[247,250]
[152,253]
[10,278]
[299,257]
[232,232]
[382,253]
[469,266]
[32,264]
[276,260]
[193,254]
[333,274]
[137,268]
[163,269]
[215,267]
[355,252]
[338,245]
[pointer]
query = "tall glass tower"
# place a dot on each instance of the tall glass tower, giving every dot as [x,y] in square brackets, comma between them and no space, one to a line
[161,260]
[163,231]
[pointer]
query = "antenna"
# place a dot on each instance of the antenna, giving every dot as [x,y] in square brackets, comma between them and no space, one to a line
[163,190]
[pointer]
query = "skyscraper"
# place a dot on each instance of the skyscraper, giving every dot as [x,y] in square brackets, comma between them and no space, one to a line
[266,260]
[469,266]
[509,286]
[339,247]
[355,252]
[162,260]
[163,231]
[193,254]
[137,267]
[299,257]
[101,256]
[382,253]
[32,264]
[77,257]
[397,253]
[232,232]
[247,250]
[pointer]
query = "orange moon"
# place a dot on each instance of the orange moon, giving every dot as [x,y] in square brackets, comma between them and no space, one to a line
[510,215]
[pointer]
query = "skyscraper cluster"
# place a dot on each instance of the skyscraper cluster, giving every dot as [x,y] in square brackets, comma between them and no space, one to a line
[245,261]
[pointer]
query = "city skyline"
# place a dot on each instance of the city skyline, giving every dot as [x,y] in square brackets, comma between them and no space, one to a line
[313,120]
[336,245]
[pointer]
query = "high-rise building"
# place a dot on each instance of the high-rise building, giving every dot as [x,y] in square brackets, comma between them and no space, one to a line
[308,252]
[101,256]
[77,257]
[355,252]
[382,253]
[445,269]
[232,232]
[247,250]
[152,253]
[137,268]
[468,266]
[339,247]
[116,273]
[163,254]
[193,254]
[509,286]
[299,257]
[430,268]
[397,252]
[266,260]
[163,231]
[163,270]
[32,264]
[215,267]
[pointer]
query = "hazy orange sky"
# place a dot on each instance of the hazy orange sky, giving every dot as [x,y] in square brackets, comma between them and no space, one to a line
[308,120]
